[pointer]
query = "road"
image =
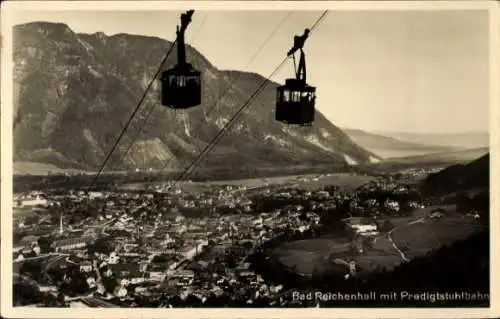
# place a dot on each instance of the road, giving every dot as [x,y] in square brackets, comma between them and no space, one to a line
[389,237]
[401,253]
[336,248]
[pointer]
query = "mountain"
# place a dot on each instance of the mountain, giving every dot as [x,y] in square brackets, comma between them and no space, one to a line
[467,140]
[459,177]
[75,92]
[388,147]
[446,158]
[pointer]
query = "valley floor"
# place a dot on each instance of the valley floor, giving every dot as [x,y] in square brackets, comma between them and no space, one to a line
[411,237]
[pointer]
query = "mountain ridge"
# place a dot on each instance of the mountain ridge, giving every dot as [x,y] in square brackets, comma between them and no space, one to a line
[460,177]
[74,92]
[390,147]
[464,140]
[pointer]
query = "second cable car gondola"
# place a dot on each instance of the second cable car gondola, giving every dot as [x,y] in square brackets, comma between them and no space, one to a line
[295,101]
[181,85]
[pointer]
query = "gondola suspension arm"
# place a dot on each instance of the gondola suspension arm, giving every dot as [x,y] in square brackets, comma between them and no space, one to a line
[181,45]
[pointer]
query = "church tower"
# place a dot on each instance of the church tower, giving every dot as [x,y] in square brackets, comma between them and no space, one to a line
[61,230]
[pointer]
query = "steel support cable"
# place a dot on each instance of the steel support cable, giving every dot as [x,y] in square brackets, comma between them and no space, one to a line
[133,114]
[219,136]
[138,133]
[199,28]
[145,121]
[231,85]
[251,60]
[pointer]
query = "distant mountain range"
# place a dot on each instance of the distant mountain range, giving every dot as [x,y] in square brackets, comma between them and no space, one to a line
[388,146]
[74,93]
[464,140]
[444,158]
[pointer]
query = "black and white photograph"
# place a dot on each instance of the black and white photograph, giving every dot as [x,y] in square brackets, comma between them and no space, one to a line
[280,155]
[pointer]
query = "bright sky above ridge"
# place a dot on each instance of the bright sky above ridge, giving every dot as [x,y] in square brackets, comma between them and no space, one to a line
[414,71]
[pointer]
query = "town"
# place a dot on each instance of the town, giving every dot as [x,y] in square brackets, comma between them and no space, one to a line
[163,246]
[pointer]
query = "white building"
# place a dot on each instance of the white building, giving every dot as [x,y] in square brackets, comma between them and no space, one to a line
[34,202]
[364,228]
[93,195]
[156,275]
[86,266]
[72,243]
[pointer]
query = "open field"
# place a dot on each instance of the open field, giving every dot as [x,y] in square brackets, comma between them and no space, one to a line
[38,169]
[253,182]
[306,255]
[381,255]
[343,180]
[43,169]
[412,236]
[418,239]
[309,182]
[462,156]
[319,253]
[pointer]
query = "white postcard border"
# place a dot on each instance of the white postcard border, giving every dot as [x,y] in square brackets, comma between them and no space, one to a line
[6,164]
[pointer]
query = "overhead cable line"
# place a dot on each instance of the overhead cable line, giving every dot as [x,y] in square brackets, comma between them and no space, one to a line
[199,28]
[219,136]
[252,59]
[133,114]
[145,120]
[236,78]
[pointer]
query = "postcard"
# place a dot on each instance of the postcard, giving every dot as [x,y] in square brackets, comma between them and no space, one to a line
[234,159]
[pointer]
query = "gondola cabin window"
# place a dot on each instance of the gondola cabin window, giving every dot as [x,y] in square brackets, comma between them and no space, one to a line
[181,81]
[172,80]
[293,96]
[193,80]
[286,96]
[307,96]
[283,95]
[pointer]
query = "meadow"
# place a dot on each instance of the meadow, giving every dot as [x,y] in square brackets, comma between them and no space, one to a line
[414,236]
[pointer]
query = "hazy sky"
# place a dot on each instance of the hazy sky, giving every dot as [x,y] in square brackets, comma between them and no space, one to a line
[415,71]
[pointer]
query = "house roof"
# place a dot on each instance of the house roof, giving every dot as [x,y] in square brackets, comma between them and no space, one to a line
[184,273]
[131,269]
[29,238]
[72,241]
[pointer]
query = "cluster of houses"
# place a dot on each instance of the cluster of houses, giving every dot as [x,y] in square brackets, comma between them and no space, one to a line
[151,249]
[32,199]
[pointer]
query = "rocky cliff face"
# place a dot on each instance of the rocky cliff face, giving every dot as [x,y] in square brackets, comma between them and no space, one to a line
[75,92]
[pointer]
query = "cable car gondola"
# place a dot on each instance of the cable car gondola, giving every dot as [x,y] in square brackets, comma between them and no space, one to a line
[181,85]
[296,99]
